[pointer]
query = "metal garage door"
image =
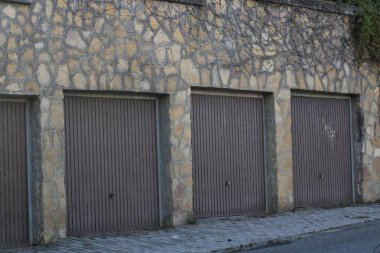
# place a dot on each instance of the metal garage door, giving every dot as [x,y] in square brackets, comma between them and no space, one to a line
[111,164]
[321,151]
[14,227]
[228,155]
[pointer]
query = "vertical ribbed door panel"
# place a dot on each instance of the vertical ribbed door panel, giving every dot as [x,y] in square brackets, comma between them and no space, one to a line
[14,222]
[321,151]
[228,155]
[111,164]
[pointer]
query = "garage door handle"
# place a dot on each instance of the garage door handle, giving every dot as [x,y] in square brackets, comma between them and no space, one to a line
[320,176]
[111,195]
[228,183]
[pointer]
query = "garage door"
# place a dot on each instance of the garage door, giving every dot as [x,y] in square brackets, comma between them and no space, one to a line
[111,164]
[321,151]
[14,229]
[228,155]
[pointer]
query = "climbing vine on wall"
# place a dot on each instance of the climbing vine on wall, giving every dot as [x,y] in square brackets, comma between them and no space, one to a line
[238,34]
[367,29]
[367,32]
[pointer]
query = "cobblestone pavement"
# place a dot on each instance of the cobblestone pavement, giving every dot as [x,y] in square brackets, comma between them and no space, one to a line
[219,234]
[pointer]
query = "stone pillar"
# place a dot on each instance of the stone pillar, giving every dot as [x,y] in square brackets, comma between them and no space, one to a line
[376,163]
[181,161]
[284,149]
[370,147]
[53,200]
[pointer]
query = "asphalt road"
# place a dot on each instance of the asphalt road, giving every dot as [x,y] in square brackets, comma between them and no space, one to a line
[360,238]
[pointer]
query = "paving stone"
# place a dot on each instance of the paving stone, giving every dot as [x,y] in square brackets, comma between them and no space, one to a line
[218,233]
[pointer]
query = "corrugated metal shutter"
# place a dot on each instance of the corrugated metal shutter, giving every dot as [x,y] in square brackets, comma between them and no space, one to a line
[14,226]
[321,151]
[111,164]
[228,155]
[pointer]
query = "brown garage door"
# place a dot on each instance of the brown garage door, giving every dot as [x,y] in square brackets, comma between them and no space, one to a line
[13,175]
[321,151]
[228,155]
[111,164]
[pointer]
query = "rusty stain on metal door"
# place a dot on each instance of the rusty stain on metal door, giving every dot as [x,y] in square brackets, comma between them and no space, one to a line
[111,164]
[14,220]
[321,151]
[228,155]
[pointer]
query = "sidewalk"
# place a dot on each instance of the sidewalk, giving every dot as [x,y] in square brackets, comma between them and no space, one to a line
[220,234]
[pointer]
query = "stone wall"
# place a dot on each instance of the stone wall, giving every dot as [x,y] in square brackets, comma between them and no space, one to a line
[47,48]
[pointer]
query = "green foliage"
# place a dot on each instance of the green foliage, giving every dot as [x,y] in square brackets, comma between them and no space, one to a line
[367,29]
